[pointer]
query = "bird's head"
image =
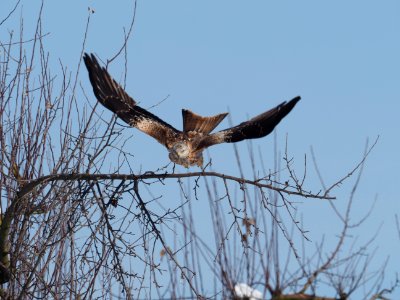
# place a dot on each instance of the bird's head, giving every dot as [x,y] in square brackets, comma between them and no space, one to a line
[179,154]
[180,150]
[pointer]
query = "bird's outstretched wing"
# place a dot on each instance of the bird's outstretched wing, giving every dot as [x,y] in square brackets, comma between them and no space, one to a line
[109,93]
[256,127]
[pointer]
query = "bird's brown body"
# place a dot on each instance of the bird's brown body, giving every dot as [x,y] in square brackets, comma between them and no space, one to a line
[185,147]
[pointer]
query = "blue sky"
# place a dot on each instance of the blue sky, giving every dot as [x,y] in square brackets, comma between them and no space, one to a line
[342,57]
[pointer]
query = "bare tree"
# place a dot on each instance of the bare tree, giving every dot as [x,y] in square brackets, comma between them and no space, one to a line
[74,226]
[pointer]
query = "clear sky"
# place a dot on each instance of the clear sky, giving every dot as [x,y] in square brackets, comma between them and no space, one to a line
[342,57]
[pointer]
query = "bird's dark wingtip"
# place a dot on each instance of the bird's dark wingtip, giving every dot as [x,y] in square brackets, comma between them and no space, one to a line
[295,99]
[89,58]
[91,63]
[86,56]
[292,102]
[285,107]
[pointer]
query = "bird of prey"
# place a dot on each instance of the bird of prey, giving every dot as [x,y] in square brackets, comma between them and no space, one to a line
[185,147]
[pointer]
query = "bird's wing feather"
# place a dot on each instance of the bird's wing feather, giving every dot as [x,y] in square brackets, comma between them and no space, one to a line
[256,127]
[109,93]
